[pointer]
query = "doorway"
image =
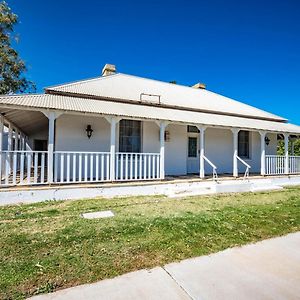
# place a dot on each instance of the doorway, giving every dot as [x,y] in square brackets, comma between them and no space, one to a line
[193,154]
[40,145]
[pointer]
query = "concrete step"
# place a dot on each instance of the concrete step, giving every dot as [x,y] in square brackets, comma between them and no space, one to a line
[232,187]
[266,188]
[192,189]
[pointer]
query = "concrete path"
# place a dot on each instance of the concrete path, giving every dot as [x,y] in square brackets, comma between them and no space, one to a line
[266,270]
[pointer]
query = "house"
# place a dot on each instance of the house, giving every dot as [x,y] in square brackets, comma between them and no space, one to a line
[119,127]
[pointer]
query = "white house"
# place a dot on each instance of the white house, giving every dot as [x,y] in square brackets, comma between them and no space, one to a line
[119,127]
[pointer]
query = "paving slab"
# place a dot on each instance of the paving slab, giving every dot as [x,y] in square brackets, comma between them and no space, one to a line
[266,270]
[145,284]
[98,214]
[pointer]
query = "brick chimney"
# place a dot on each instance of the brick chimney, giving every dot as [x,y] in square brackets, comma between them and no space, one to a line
[108,70]
[199,85]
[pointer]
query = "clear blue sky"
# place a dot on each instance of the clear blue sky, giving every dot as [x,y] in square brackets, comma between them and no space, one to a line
[247,50]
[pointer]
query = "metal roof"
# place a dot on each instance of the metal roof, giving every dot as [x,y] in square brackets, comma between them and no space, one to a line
[136,89]
[100,107]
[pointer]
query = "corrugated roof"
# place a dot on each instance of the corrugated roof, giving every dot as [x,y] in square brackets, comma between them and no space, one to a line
[83,105]
[130,88]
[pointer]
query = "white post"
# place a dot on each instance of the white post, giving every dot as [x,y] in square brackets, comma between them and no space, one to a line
[113,124]
[162,128]
[51,118]
[235,132]
[1,133]
[9,148]
[202,151]
[16,140]
[263,153]
[286,153]
[292,148]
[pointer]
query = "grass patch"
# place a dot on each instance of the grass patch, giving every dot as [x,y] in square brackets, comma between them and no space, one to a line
[47,246]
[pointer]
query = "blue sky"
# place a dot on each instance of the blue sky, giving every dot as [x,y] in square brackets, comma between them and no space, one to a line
[247,50]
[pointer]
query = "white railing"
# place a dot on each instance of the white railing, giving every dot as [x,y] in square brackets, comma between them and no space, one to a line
[248,167]
[70,166]
[215,175]
[137,166]
[275,164]
[23,167]
[294,164]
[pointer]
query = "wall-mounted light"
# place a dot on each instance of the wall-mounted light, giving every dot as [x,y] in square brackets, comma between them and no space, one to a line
[89,131]
[267,141]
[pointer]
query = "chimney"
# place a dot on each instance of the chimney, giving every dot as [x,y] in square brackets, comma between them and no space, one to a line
[108,70]
[199,85]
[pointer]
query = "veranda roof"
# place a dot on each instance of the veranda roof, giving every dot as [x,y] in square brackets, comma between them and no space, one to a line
[39,102]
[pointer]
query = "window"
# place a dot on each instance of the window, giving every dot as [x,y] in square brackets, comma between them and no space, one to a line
[192,149]
[130,136]
[192,129]
[244,144]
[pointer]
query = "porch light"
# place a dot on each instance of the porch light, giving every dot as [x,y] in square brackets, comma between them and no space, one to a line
[89,131]
[267,141]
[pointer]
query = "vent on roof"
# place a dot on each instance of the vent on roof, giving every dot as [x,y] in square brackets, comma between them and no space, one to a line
[150,98]
[199,85]
[108,70]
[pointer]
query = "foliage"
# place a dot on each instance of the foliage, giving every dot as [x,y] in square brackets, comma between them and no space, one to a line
[280,147]
[47,246]
[12,67]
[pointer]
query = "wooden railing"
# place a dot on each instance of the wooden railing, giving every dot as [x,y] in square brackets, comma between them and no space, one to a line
[275,164]
[72,166]
[137,166]
[23,167]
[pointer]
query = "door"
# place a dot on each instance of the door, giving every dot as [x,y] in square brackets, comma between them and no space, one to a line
[193,154]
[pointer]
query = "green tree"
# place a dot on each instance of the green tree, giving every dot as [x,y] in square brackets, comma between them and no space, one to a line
[280,147]
[12,67]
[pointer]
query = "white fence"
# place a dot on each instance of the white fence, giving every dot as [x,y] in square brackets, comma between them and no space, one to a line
[294,164]
[81,166]
[30,167]
[275,164]
[23,167]
[137,166]
[95,166]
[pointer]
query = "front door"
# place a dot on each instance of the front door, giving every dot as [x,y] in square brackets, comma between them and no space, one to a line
[193,154]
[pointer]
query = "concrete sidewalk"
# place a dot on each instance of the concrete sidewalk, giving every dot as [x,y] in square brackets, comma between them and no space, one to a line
[266,270]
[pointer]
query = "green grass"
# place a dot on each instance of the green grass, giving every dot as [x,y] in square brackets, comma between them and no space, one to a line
[47,246]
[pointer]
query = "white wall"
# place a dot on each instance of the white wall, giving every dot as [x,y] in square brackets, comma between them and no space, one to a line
[41,135]
[219,149]
[175,148]
[70,134]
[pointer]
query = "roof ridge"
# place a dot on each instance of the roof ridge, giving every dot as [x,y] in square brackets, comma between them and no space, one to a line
[21,95]
[81,81]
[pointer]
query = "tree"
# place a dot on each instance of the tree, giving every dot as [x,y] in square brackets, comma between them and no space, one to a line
[280,147]
[12,67]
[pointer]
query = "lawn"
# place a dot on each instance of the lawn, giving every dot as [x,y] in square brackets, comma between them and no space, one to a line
[48,246]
